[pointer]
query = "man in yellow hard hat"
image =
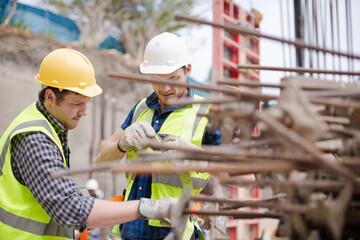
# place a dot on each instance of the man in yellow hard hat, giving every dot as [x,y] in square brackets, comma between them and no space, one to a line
[166,57]
[33,205]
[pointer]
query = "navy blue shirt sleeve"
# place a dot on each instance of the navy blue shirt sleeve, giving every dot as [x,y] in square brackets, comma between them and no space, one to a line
[212,138]
[129,118]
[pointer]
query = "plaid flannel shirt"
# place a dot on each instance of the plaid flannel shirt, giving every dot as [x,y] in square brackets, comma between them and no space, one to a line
[33,158]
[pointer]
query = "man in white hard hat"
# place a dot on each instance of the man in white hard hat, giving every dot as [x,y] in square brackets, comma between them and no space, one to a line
[165,57]
[92,186]
[33,205]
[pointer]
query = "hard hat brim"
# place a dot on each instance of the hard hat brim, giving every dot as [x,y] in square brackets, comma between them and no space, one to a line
[159,69]
[92,91]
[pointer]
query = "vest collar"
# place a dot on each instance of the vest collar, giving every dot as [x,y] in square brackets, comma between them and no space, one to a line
[153,102]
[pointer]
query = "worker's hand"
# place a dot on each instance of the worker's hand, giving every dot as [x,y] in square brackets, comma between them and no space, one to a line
[157,209]
[176,141]
[173,140]
[137,135]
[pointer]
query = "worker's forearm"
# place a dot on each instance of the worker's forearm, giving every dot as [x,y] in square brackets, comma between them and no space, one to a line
[108,213]
[109,152]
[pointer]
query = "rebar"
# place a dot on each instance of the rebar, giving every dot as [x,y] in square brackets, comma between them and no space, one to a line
[297,69]
[242,30]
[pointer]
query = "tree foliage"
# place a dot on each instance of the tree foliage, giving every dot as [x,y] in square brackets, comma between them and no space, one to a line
[11,13]
[138,20]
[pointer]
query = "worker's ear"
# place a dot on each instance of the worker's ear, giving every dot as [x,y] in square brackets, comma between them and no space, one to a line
[188,70]
[50,96]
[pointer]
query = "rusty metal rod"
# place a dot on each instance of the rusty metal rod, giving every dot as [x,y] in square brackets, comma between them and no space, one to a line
[322,185]
[238,151]
[337,120]
[304,85]
[296,139]
[226,90]
[249,83]
[203,198]
[345,103]
[235,153]
[238,29]
[187,101]
[349,161]
[353,92]
[235,214]
[147,168]
[299,208]
[298,69]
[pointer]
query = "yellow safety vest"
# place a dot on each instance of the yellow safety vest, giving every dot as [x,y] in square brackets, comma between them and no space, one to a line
[21,216]
[186,124]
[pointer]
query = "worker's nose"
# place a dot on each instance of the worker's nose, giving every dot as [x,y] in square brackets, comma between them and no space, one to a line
[165,87]
[83,110]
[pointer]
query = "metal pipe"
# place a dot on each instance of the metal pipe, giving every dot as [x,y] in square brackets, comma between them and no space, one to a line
[299,31]
[242,30]
[309,35]
[345,103]
[319,185]
[332,32]
[298,69]
[289,34]
[147,168]
[235,214]
[253,203]
[324,28]
[282,32]
[338,33]
[315,31]
[226,90]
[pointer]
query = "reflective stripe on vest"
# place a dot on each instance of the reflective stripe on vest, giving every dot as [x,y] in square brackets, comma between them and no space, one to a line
[175,180]
[34,227]
[21,216]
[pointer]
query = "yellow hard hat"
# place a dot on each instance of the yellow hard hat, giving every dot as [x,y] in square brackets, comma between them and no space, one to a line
[68,69]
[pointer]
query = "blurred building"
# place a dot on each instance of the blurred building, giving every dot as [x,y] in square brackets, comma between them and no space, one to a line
[230,50]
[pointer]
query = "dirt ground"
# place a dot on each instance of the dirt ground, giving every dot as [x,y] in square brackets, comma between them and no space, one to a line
[20,56]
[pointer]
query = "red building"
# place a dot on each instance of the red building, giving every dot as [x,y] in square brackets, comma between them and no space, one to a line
[230,50]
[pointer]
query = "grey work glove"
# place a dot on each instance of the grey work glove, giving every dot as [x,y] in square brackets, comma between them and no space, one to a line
[157,209]
[137,135]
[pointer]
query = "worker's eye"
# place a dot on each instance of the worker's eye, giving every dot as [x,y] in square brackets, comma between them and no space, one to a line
[175,78]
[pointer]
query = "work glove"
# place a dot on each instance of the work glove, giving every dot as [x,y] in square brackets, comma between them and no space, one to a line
[157,209]
[176,141]
[173,140]
[137,135]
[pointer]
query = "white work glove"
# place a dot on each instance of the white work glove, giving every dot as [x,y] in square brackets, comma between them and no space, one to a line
[173,140]
[137,135]
[157,209]
[176,141]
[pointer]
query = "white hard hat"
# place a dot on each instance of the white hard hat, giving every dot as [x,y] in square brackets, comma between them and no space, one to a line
[164,54]
[92,184]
